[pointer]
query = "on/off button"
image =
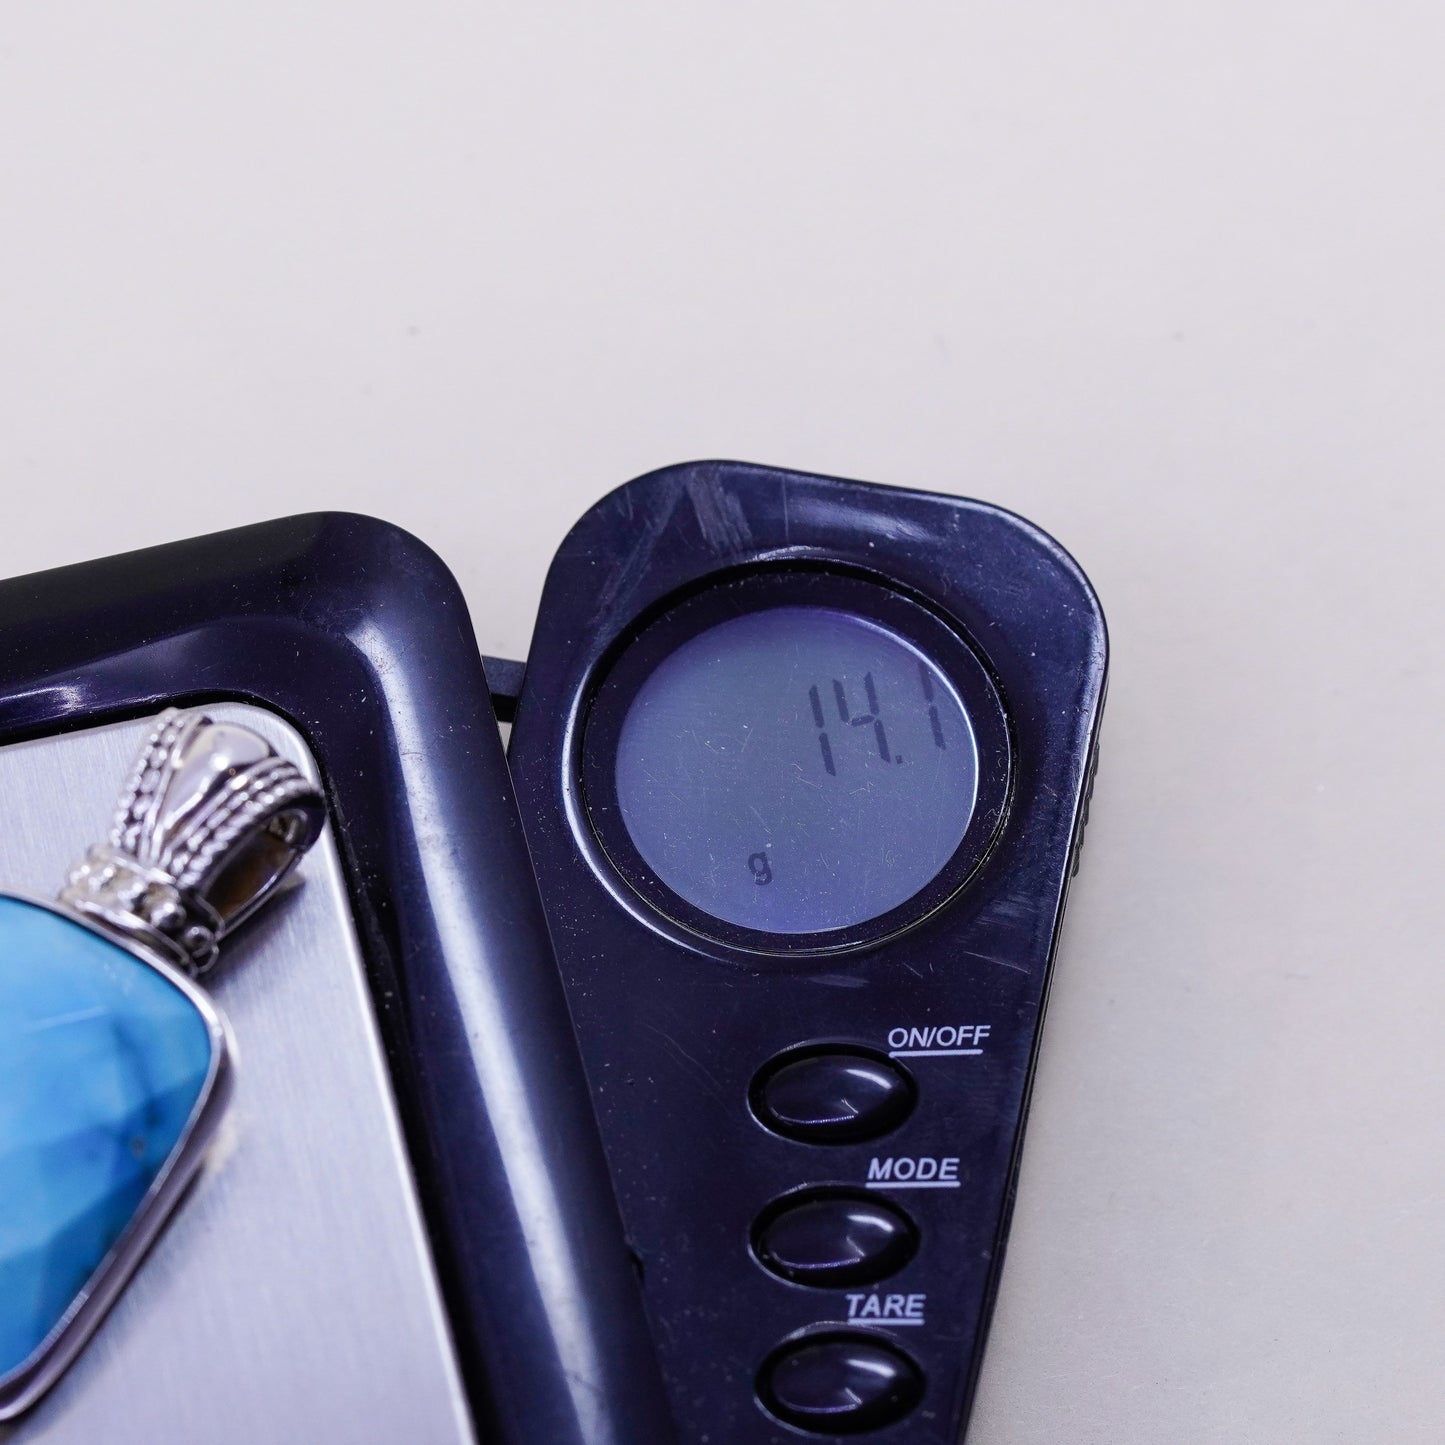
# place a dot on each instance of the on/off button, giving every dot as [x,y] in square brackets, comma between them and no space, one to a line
[839,1095]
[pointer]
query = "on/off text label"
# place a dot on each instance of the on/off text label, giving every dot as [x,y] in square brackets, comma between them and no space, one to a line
[938,1039]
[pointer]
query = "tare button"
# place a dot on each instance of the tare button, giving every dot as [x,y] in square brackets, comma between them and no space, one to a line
[840,1383]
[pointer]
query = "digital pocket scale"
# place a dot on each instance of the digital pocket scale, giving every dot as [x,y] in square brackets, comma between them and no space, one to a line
[804,766]
[801,769]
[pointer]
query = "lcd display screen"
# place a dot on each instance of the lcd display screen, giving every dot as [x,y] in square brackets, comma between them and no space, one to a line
[796,770]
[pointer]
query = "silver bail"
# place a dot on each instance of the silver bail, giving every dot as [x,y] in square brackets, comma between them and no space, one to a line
[208,824]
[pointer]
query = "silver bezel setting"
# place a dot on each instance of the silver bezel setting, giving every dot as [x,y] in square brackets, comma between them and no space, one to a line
[25,1384]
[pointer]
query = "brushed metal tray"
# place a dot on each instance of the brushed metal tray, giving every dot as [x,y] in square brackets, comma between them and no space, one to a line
[292,1297]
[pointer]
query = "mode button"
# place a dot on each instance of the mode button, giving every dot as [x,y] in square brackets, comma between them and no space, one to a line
[828,1237]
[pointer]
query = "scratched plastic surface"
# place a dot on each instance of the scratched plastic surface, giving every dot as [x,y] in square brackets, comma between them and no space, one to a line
[673,1028]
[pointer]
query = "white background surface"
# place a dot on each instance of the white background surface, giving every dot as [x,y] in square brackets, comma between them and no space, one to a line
[1165,278]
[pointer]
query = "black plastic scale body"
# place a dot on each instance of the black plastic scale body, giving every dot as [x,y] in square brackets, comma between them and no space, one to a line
[803,767]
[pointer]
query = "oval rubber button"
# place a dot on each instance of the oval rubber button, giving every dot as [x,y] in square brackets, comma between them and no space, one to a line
[829,1239]
[839,1384]
[832,1098]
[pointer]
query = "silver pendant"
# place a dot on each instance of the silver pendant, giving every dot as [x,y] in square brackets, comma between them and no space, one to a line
[114,1064]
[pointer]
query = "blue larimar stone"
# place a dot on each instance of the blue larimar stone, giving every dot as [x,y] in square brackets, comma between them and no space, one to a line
[102,1062]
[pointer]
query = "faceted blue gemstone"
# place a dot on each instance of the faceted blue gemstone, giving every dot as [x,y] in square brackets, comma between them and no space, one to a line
[102,1062]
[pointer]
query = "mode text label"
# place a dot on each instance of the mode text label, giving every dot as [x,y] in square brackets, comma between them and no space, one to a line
[907,1171]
